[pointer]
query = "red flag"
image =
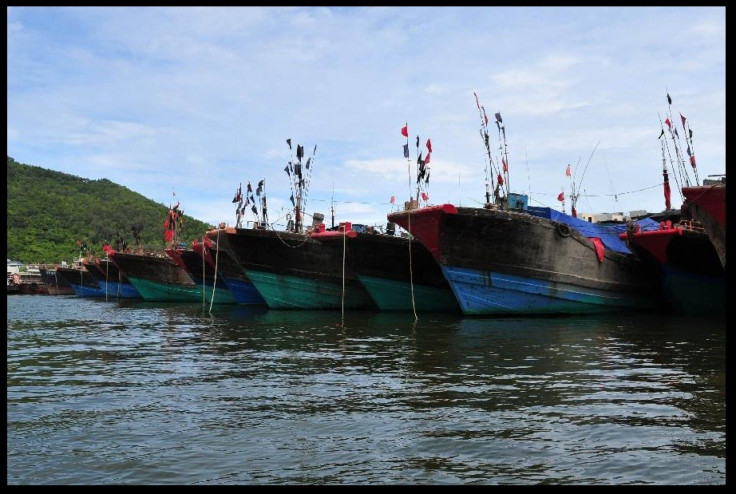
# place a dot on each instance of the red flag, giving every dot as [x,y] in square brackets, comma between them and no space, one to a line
[567,171]
[692,161]
[425,197]
[505,166]
[500,179]
[667,121]
[429,145]
[426,160]
[405,131]
[574,212]
[168,235]
[561,197]
[392,199]
[683,121]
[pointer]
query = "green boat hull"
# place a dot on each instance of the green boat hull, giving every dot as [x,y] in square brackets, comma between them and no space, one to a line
[392,295]
[292,292]
[165,292]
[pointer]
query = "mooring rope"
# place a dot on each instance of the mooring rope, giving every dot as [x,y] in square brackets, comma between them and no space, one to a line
[411,270]
[344,243]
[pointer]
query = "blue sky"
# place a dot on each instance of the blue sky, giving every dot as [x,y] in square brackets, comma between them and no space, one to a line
[194,101]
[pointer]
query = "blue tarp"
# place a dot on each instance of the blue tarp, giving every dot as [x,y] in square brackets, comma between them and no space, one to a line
[607,233]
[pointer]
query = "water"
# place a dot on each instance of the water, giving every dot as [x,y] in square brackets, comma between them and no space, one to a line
[139,393]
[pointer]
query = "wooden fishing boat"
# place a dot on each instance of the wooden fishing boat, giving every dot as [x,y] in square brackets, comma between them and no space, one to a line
[289,268]
[399,273]
[292,270]
[508,262]
[684,259]
[214,288]
[55,284]
[83,283]
[113,282]
[230,271]
[707,204]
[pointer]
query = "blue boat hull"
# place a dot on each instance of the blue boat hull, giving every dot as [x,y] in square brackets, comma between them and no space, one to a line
[244,291]
[87,291]
[116,289]
[487,293]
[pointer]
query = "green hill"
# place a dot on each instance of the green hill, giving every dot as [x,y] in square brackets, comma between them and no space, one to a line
[51,215]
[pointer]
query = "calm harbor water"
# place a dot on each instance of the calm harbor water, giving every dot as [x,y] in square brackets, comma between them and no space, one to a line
[106,392]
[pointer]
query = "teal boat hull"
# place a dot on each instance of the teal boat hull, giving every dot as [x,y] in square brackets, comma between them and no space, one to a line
[392,295]
[152,291]
[282,291]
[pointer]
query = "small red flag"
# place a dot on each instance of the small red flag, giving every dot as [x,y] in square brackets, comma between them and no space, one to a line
[567,171]
[561,197]
[405,131]
[425,196]
[429,145]
[500,179]
[669,124]
[392,199]
[683,121]
[426,160]
[692,161]
[505,166]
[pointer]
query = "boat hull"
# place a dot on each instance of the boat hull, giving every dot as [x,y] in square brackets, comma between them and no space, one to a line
[294,271]
[158,279]
[202,274]
[81,281]
[693,280]
[232,274]
[400,274]
[393,295]
[507,262]
[707,204]
[111,280]
[55,284]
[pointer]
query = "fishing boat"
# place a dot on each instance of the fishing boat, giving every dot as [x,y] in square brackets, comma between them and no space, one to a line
[398,272]
[289,268]
[55,284]
[684,259]
[704,203]
[230,271]
[113,282]
[502,259]
[156,276]
[214,288]
[292,270]
[508,262]
[707,204]
[83,283]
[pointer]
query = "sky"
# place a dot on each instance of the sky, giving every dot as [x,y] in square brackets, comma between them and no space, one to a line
[187,104]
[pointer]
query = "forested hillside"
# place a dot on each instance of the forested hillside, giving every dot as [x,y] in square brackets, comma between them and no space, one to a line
[51,215]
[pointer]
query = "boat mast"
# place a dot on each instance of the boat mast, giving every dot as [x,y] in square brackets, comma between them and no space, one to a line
[486,141]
